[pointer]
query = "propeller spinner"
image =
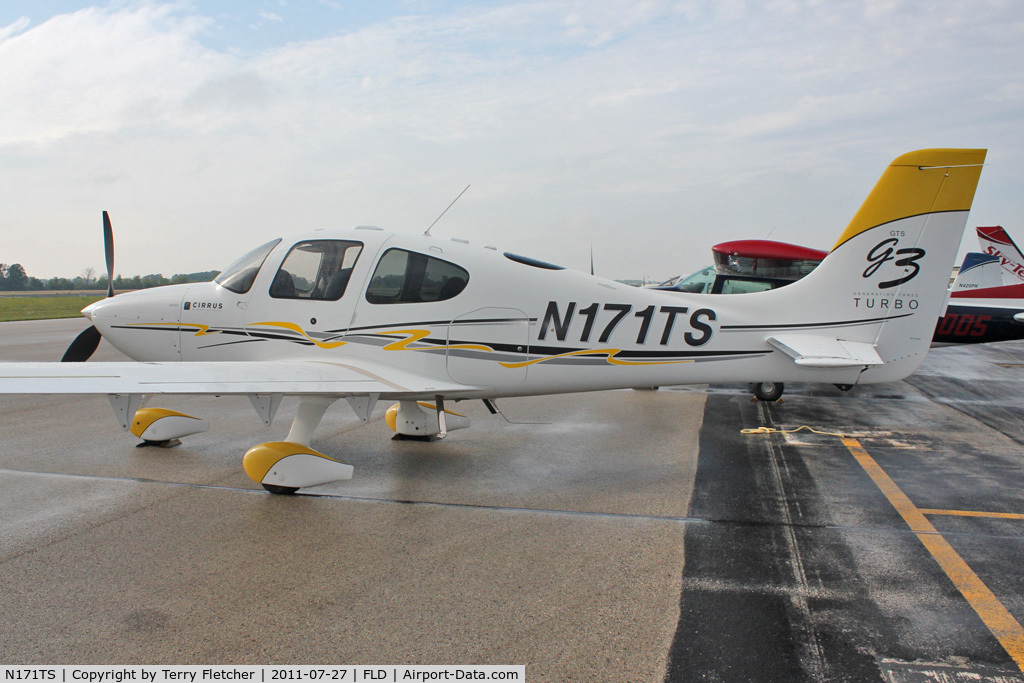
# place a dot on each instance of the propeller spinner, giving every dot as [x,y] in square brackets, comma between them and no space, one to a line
[85,344]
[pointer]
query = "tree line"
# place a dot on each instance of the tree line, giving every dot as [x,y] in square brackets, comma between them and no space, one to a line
[13,278]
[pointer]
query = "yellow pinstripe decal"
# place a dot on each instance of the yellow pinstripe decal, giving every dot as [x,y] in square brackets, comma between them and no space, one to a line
[594,352]
[203,329]
[295,328]
[999,621]
[416,335]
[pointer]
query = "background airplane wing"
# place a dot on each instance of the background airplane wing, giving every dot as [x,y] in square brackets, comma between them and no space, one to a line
[240,377]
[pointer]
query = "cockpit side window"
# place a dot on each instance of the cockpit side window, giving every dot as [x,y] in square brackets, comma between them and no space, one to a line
[316,269]
[698,283]
[239,276]
[405,277]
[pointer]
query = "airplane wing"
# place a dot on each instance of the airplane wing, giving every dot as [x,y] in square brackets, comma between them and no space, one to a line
[353,377]
[816,351]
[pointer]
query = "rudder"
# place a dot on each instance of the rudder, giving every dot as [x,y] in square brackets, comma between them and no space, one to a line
[888,273]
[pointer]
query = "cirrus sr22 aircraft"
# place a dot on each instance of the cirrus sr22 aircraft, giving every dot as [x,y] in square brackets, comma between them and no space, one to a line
[366,315]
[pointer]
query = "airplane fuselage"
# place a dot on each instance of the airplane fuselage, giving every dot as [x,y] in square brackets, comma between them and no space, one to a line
[516,327]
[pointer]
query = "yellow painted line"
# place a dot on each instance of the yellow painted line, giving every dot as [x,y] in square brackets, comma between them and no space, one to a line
[975,513]
[999,621]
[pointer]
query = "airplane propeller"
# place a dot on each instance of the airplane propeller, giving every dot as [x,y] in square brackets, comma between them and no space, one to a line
[108,247]
[85,344]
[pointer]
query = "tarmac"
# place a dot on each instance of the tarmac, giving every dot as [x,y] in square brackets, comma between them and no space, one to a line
[613,536]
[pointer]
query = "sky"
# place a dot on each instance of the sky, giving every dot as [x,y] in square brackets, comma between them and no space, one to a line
[647,131]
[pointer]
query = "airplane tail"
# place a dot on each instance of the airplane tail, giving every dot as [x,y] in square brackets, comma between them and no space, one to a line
[978,271]
[874,301]
[995,240]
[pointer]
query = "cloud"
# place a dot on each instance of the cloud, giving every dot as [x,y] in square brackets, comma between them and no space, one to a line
[14,28]
[677,123]
[232,92]
[99,70]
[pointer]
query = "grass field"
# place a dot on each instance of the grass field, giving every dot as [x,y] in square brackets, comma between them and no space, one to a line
[43,307]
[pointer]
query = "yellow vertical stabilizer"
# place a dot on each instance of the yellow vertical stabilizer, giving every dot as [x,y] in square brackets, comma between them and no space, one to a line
[921,182]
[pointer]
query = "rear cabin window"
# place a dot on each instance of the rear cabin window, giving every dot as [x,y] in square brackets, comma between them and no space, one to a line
[407,277]
[316,269]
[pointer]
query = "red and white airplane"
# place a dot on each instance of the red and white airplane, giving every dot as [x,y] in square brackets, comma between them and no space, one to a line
[365,315]
[995,241]
[983,307]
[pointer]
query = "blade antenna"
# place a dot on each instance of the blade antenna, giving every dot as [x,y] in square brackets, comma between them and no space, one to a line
[426,233]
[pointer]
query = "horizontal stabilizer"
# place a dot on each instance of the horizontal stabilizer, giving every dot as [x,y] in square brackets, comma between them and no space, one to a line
[814,351]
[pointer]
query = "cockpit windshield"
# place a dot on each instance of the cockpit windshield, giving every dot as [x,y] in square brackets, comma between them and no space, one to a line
[239,276]
[698,283]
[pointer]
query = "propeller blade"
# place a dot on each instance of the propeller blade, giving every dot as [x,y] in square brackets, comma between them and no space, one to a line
[84,346]
[108,246]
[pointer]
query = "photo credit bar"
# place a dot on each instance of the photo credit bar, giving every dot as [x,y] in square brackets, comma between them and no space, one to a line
[146,673]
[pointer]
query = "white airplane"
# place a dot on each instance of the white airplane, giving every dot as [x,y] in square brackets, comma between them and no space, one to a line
[366,315]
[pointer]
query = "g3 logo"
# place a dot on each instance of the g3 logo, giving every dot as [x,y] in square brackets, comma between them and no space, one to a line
[883,252]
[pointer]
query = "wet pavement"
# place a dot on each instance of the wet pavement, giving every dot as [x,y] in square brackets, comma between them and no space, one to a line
[630,535]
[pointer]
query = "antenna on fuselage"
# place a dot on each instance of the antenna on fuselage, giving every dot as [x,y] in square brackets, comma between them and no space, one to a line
[426,233]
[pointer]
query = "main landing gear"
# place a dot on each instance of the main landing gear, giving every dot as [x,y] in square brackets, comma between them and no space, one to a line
[768,391]
[283,467]
[772,391]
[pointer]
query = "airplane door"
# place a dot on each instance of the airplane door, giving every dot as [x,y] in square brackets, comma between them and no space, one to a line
[305,303]
[506,331]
